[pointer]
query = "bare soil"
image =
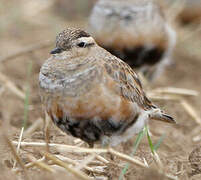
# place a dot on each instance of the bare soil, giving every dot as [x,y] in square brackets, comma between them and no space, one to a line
[180,140]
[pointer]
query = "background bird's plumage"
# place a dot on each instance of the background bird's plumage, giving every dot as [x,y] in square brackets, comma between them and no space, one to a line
[135,31]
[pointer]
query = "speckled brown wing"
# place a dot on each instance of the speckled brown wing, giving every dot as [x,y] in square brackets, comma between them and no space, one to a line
[127,83]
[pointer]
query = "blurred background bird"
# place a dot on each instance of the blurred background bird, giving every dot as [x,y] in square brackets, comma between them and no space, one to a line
[135,31]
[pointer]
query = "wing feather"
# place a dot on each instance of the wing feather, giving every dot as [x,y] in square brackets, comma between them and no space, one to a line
[127,82]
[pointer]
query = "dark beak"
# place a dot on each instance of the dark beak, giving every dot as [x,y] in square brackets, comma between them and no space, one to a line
[56,50]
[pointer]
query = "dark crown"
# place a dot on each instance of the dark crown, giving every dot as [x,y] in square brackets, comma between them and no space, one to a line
[69,34]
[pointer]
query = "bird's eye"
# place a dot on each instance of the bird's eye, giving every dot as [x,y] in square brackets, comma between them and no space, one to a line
[81,44]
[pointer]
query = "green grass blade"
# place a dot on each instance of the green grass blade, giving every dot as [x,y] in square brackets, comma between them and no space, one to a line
[156,146]
[137,141]
[149,140]
[135,146]
[123,172]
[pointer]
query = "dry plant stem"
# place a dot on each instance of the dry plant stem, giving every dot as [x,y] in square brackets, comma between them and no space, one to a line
[176,91]
[77,173]
[87,150]
[75,149]
[71,161]
[26,50]
[191,111]
[44,166]
[76,163]
[126,158]
[18,159]
[46,129]
[37,123]
[66,159]
[20,139]
[145,162]
[102,159]
[40,164]
[11,86]
[31,164]
[67,148]
[18,146]
[96,169]
[155,96]
[158,161]
[85,162]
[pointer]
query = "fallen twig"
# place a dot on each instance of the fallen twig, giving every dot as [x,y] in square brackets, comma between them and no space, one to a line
[126,158]
[40,164]
[100,158]
[77,173]
[75,149]
[85,162]
[18,146]
[176,91]
[26,50]
[74,162]
[191,111]
[11,86]
[18,159]
[33,127]
[31,164]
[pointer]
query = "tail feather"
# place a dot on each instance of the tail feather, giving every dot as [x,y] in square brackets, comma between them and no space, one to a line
[159,116]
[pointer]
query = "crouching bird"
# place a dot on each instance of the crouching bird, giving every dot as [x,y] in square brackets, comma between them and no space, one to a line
[93,95]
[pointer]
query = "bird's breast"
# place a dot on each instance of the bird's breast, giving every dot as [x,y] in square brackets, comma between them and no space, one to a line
[69,82]
[98,103]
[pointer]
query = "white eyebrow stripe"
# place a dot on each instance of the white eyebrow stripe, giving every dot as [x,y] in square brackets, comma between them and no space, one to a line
[88,40]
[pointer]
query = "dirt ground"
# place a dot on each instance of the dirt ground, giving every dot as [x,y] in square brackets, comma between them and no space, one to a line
[22,29]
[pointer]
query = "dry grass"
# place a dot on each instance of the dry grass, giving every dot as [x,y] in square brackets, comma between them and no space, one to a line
[24,153]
